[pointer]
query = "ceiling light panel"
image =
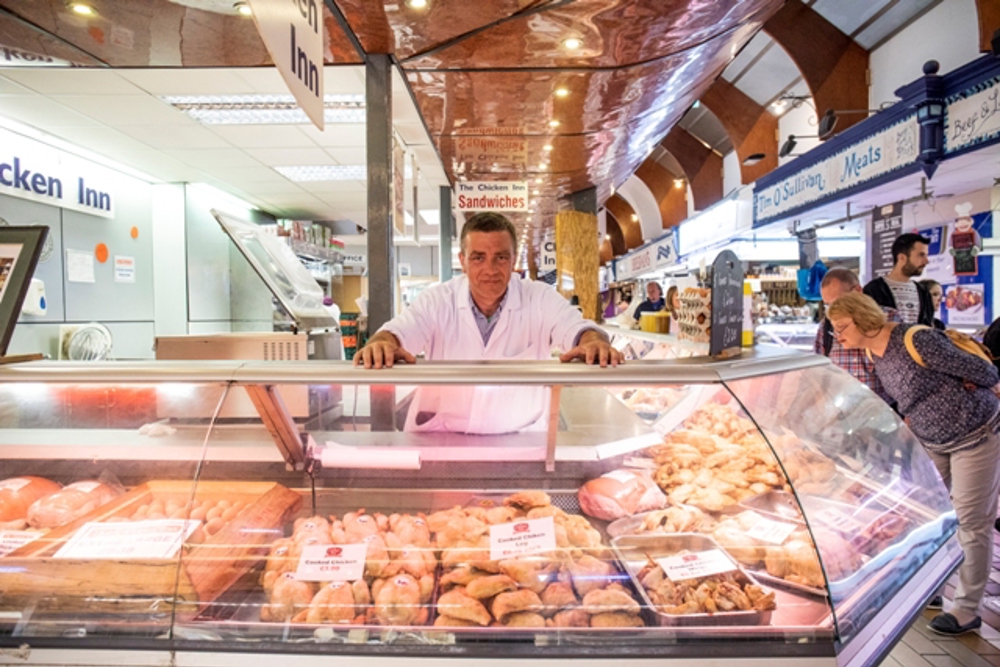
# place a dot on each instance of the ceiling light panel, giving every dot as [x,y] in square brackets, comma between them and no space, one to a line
[325,172]
[265,109]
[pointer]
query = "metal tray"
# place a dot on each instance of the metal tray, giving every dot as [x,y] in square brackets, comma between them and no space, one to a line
[629,525]
[634,551]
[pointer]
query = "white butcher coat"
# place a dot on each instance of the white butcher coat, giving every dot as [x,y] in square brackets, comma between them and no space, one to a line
[440,323]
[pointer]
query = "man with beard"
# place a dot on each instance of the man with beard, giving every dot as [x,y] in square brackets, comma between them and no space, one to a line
[911,300]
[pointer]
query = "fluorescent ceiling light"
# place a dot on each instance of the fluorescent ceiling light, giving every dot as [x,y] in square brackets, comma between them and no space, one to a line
[324,172]
[265,109]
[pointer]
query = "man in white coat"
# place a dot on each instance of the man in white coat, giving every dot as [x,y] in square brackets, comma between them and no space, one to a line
[488,312]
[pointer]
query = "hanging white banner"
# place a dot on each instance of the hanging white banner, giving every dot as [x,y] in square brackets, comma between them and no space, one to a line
[293,35]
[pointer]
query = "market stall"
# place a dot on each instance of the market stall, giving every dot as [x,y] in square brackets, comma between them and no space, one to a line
[759,509]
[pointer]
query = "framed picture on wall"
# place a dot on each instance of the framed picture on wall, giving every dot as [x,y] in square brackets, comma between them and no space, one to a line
[20,248]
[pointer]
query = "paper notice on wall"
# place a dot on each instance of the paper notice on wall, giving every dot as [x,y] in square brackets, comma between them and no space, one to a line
[124,269]
[79,266]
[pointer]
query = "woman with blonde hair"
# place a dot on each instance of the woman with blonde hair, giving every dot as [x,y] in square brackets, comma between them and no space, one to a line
[949,404]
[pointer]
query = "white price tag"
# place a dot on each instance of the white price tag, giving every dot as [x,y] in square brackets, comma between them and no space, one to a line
[522,538]
[332,562]
[12,540]
[773,532]
[128,540]
[696,565]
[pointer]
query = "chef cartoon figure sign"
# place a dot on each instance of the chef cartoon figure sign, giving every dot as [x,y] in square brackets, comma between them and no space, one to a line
[965,243]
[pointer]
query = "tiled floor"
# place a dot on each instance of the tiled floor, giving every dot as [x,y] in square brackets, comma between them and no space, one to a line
[922,648]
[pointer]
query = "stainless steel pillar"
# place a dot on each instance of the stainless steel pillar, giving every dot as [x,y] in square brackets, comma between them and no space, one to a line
[447,224]
[381,262]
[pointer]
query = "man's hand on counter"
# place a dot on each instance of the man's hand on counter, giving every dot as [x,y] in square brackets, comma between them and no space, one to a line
[382,351]
[594,348]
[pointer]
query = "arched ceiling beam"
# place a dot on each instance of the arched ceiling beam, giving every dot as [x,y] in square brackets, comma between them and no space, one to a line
[702,166]
[637,194]
[671,200]
[751,127]
[623,212]
[833,65]
[988,12]
[614,239]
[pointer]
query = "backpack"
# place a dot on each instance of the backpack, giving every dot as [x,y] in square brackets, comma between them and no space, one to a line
[960,340]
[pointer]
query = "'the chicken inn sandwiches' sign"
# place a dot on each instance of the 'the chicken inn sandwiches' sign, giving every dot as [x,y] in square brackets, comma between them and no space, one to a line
[881,153]
[491,196]
[32,170]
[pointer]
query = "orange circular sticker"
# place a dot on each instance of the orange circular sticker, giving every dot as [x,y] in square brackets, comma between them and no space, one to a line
[101,253]
[134,232]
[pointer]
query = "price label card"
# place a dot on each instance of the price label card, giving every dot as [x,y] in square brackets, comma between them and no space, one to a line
[332,562]
[696,565]
[522,538]
[838,520]
[12,540]
[127,540]
[773,532]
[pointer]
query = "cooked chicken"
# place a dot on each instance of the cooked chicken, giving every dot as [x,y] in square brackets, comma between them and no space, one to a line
[496,515]
[288,597]
[590,574]
[314,526]
[410,529]
[556,596]
[526,500]
[397,602]
[358,526]
[461,576]
[474,554]
[279,560]
[333,604]
[530,573]
[376,556]
[615,619]
[610,600]
[456,604]
[451,621]
[524,619]
[570,618]
[515,601]
[486,587]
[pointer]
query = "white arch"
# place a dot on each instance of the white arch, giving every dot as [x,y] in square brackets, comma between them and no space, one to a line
[642,201]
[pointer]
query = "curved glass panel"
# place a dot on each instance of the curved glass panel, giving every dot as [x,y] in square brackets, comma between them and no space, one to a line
[871,497]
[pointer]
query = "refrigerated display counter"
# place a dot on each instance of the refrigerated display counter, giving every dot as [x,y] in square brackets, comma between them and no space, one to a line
[766,509]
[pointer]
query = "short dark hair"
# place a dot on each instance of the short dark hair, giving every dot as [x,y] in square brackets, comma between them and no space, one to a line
[904,244]
[928,283]
[488,221]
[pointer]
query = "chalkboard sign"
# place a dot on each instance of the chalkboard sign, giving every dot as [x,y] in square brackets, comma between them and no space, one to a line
[887,224]
[727,303]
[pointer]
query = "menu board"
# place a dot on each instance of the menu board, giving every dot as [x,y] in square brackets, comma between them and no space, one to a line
[887,225]
[727,303]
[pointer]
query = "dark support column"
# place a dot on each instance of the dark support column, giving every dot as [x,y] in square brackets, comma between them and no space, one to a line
[378,97]
[381,263]
[585,201]
[447,224]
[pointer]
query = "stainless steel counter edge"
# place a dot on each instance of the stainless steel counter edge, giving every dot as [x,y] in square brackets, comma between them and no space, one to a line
[762,360]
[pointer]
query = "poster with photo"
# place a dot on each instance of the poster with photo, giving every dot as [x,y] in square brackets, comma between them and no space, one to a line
[8,258]
[962,272]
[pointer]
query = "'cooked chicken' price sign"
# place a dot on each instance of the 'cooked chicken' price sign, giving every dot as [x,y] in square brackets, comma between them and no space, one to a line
[332,562]
[522,538]
[696,565]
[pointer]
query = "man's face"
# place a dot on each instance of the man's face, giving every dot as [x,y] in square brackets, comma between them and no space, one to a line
[488,261]
[916,260]
[834,290]
[653,291]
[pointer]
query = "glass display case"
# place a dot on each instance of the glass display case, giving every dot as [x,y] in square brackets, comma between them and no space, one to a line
[635,344]
[767,508]
[796,335]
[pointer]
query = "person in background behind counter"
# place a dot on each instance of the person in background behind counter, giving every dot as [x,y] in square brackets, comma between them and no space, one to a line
[950,406]
[933,288]
[897,290]
[654,302]
[837,282]
[674,306]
